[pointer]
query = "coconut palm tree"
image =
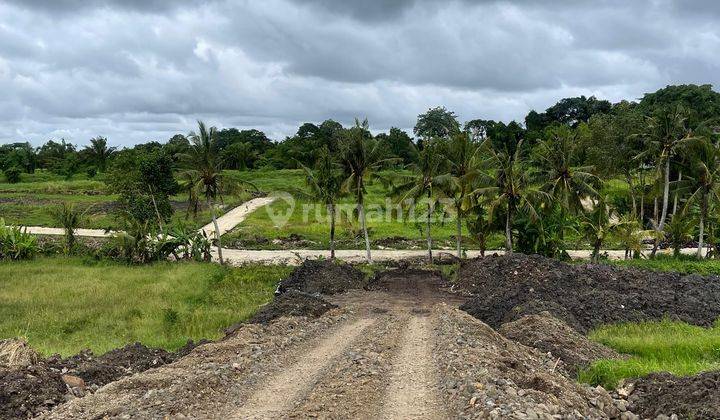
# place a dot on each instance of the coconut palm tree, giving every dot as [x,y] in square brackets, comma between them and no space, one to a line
[203,165]
[666,130]
[514,190]
[426,181]
[679,231]
[703,182]
[568,184]
[70,218]
[99,152]
[325,187]
[629,233]
[189,183]
[598,223]
[362,157]
[465,170]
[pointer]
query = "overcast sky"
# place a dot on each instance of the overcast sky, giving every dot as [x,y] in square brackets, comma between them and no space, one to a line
[141,70]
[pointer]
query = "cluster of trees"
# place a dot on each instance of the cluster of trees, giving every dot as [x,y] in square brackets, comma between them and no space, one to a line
[551,177]
[60,157]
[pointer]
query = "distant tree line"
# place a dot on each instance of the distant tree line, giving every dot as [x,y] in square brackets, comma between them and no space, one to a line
[534,181]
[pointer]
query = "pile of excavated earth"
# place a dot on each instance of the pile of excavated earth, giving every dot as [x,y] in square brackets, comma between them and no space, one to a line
[335,343]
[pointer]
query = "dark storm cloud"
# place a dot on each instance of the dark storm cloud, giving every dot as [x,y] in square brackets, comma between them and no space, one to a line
[143,70]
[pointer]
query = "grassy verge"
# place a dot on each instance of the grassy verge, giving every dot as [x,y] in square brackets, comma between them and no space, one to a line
[683,264]
[665,346]
[65,305]
[310,221]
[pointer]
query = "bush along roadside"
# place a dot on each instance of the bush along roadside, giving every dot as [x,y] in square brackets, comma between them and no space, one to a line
[16,244]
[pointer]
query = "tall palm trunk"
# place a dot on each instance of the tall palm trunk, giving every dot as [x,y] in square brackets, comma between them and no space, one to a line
[157,212]
[666,195]
[332,230]
[675,200]
[508,232]
[429,237]
[363,225]
[596,250]
[459,232]
[703,214]
[211,204]
[666,198]
[628,179]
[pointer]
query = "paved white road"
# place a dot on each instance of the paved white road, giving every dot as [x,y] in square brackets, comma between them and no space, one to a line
[226,222]
[234,217]
[297,256]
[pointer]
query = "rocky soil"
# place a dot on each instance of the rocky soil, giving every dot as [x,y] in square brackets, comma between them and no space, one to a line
[551,335]
[583,296]
[395,346]
[323,276]
[692,397]
[31,384]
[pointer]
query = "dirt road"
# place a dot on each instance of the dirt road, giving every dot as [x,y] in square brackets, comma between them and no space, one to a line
[370,359]
[234,217]
[400,350]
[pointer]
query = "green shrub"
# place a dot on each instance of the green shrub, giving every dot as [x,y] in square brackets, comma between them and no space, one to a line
[69,219]
[12,174]
[15,244]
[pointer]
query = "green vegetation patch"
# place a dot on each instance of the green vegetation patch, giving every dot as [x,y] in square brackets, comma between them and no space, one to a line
[665,346]
[65,305]
[682,264]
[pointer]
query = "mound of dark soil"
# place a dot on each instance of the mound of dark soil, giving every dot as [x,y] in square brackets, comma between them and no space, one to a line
[290,303]
[406,280]
[549,334]
[27,391]
[323,276]
[111,366]
[31,385]
[584,296]
[692,397]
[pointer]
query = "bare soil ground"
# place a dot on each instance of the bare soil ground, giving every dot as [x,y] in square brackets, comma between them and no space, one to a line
[399,348]
[584,296]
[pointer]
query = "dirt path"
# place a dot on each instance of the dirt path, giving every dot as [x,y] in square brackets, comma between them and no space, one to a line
[281,392]
[240,257]
[234,217]
[226,222]
[400,350]
[412,393]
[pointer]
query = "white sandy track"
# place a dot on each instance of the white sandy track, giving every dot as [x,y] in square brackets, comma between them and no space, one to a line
[90,233]
[234,217]
[226,222]
[240,257]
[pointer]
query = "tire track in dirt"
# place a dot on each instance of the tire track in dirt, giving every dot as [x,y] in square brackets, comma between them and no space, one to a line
[280,393]
[413,392]
[353,386]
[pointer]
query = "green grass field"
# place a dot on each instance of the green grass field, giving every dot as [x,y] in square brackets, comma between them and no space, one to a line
[64,305]
[28,202]
[664,346]
[310,221]
[683,264]
[667,346]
